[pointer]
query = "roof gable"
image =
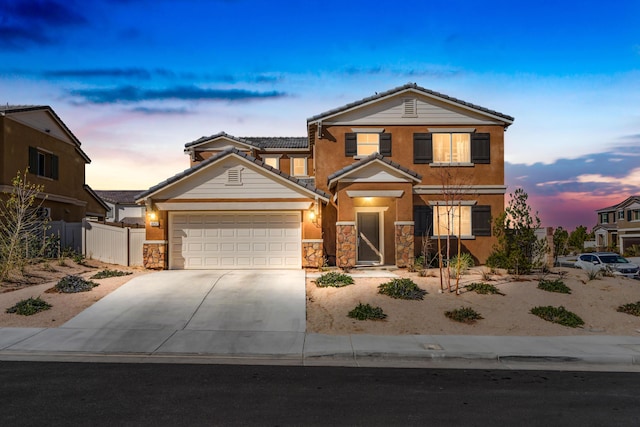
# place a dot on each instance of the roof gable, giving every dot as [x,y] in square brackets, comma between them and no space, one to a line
[374,168]
[411,104]
[208,179]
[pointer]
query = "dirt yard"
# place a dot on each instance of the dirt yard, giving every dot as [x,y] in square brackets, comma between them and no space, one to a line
[594,301]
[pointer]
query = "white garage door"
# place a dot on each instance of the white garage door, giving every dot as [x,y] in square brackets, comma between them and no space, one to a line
[209,240]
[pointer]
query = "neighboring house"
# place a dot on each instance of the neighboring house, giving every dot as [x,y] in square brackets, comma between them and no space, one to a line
[122,206]
[35,137]
[364,187]
[619,225]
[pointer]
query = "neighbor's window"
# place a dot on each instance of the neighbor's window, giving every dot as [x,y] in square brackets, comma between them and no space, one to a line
[604,218]
[620,214]
[451,148]
[368,143]
[299,166]
[635,215]
[452,220]
[43,163]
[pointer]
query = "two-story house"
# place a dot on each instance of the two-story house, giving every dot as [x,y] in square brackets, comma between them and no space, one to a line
[619,225]
[35,137]
[368,183]
[122,206]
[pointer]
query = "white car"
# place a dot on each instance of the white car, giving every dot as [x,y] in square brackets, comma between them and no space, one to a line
[607,260]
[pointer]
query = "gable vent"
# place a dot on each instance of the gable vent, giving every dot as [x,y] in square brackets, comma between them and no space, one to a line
[234,177]
[410,107]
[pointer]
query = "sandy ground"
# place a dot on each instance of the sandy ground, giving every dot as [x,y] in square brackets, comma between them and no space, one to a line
[594,301]
[41,277]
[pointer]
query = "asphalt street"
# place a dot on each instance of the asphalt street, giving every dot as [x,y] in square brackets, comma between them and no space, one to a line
[101,394]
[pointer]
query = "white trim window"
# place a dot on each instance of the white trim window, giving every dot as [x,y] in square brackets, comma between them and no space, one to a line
[299,166]
[451,148]
[452,220]
[273,161]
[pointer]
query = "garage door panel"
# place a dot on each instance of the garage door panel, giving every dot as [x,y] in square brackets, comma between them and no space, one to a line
[235,240]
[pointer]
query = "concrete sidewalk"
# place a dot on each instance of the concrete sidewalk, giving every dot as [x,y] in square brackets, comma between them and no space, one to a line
[596,353]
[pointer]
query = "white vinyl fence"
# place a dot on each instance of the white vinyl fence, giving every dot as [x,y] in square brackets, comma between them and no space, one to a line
[112,244]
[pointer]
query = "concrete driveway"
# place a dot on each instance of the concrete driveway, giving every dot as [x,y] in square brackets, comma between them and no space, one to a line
[214,311]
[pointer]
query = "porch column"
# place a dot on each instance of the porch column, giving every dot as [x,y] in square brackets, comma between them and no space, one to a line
[154,254]
[312,253]
[346,244]
[404,243]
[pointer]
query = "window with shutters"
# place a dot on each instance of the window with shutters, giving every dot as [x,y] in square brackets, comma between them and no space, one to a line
[467,221]
[43,163]
[452,220]
[451,148]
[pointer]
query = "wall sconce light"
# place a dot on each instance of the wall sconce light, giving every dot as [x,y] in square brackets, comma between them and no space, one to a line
[153,219]
[152,216]
[312,215]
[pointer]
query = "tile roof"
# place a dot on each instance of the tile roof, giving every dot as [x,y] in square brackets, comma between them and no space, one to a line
[118,196]
[403,88]
[261,142]
[369,159]
[299,182]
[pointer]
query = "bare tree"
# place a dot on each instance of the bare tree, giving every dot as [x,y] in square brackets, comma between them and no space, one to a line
[20,223]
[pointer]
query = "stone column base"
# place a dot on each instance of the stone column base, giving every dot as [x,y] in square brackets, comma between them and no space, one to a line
[346,244]
[154,255]
[404,243]
[312,253]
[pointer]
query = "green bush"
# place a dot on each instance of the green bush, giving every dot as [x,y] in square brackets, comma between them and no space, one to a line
[402,289]
[554,286]
[463,315]
[30,306]
[334,279]
[632,308]
[558,315]
[110,273]
[367,312]
[461,264]
[72,284]
[483,288]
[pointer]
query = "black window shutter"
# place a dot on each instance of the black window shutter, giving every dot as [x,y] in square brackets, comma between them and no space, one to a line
[422,148]
[481,220]
[480,148]
[54,167]
[33,160]
[628,215]
[423,221]
[350,145]
[385,144]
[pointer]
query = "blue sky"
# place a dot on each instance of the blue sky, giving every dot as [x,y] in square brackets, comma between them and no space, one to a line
[137,79]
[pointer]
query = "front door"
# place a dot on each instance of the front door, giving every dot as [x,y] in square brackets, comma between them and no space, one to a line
[368,225]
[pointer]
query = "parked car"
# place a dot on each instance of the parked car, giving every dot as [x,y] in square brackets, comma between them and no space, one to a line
[607,260]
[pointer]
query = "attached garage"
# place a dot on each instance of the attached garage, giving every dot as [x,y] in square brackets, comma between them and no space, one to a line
[240,240]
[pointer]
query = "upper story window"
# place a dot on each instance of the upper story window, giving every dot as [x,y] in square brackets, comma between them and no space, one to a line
[620,214]
[604,218]
[273,161]
[43,163]
[367,143]
[633,215]
[451,148]
[463,148]
[299,166]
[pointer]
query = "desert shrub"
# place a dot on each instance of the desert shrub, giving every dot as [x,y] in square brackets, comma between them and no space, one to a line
[554,286]
[593,274]
[463,315]
[367,312]
[110,273]
[632,308]
[72,284]
[29,306]
[402,289]
[334,279]
[559,315]
[633,250]
[483,288]
[461,264]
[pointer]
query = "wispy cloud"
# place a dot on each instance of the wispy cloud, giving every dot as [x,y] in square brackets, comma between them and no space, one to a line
[417,71]
[136,73]
[127,94]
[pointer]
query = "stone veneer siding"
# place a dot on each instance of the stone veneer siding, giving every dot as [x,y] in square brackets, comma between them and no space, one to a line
[154,255]
[404,243]
[312,253]
[345,244]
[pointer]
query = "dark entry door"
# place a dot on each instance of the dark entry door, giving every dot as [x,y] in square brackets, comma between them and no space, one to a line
[368,224]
